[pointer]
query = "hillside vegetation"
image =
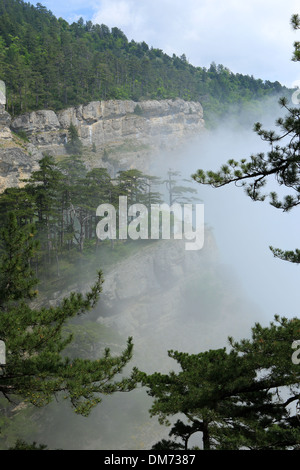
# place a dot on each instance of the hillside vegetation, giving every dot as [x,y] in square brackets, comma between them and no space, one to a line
[48,63]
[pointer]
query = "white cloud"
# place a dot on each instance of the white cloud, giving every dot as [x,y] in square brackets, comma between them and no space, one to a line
[252,37]
[120,13]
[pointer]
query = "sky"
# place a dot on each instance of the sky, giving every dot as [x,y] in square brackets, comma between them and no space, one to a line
[252,38]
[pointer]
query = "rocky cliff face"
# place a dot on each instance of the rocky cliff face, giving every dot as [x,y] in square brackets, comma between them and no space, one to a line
[115,134]
[18,158]
[107,123]
[122,134]
[170,298]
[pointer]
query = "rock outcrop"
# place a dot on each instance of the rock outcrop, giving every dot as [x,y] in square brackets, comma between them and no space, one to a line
[126,133]
[115,134]
[16,164]
[18,158]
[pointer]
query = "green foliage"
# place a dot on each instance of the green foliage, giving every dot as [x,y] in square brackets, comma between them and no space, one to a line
[17,248]
[247,397]
[15,423]
[48,63]
[37,370]
[74,145]
[22,445]
[60,200]
[105,156]
[22,135]
[236,399]
[295,22]
[281,162]
[138,110]
[244,398]
[179,193]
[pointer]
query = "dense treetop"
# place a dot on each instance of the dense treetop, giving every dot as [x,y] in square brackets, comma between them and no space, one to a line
[48,63]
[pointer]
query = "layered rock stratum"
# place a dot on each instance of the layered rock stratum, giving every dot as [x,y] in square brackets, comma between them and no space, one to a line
[117,135]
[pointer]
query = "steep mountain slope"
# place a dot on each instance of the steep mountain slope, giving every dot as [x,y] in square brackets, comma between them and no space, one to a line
[50,64]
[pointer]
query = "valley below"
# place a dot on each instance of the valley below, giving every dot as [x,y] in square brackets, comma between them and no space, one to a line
[165,298]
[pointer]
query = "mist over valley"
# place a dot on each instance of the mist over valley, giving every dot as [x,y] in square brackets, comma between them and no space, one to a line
[109,118]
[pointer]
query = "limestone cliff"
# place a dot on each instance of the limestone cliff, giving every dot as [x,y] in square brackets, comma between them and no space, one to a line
[122,134]
[115,134]
[18,158]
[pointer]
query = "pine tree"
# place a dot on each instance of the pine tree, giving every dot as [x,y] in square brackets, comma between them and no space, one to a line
[74,144]
[17,247]
[247,397]
[281,162]
[37,369]
[179,193]
[241,398]
[45,188]
[49,63]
